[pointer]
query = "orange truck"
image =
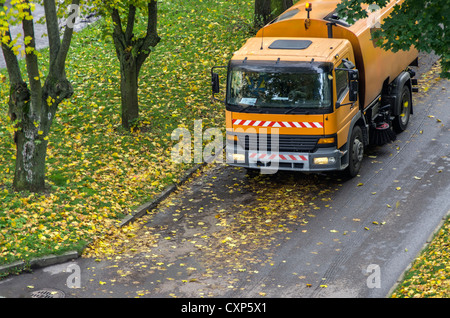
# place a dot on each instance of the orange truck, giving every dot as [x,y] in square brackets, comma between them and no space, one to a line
[310,91]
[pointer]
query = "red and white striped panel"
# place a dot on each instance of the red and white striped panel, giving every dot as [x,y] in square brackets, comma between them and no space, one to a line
[265,156]
[277,124]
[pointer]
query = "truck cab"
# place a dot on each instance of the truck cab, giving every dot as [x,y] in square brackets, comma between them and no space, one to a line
[296,90]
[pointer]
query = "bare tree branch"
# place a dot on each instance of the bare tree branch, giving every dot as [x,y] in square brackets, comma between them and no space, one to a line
[32,61]
[130,23]
[52,29]
[64,49]
[12,63]
[151,39]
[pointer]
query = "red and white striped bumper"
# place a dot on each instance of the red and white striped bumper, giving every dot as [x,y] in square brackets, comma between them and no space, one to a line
[255,156]
[277,124]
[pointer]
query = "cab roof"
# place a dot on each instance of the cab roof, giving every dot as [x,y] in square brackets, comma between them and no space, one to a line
[290,49]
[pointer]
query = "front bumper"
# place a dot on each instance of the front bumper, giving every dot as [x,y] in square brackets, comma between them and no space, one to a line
[322,159]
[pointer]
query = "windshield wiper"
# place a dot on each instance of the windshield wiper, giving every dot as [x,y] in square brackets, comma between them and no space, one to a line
[243,109]
[294,108]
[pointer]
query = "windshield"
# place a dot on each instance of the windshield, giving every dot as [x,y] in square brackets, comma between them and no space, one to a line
[282,87]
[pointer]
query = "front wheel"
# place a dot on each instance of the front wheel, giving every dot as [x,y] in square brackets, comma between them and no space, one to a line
[356,152]
[401,121]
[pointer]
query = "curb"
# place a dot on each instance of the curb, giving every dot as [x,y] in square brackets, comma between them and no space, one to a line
[39,262]
[52,259]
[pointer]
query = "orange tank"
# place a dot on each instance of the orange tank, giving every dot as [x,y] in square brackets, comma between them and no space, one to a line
[375,65]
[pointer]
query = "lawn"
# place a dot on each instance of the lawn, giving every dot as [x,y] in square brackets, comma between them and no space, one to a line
[97,172]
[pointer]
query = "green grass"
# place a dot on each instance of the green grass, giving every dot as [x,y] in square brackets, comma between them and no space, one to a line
[96,171]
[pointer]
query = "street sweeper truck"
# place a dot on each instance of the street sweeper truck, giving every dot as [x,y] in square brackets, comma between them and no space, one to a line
[310,91]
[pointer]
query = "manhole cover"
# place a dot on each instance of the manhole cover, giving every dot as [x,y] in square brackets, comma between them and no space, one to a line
[47,293]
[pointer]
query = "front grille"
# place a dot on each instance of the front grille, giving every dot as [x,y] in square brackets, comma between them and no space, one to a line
[286,143]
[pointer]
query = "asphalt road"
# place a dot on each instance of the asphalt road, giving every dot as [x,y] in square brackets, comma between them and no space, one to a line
[289,235]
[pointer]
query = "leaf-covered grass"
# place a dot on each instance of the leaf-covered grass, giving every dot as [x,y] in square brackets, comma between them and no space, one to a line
[96,171]
[429,276]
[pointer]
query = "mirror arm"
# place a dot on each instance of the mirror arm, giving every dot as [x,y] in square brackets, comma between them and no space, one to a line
[339,104]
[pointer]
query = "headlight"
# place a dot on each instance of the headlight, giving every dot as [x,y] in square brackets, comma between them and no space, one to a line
[324,160]
[239,157]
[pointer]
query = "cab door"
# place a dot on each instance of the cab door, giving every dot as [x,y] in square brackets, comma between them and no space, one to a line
[345,110]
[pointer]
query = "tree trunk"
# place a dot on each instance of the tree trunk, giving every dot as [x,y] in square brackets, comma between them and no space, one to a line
[267,10]
[132,53]
[30,161]
[262,13]
[33,108]
[129,92]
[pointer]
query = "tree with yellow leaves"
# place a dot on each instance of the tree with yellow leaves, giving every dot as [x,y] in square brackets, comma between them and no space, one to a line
[34,99]
[132,49]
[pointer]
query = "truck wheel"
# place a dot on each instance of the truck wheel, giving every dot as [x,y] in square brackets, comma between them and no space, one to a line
[401,121]
[356,152]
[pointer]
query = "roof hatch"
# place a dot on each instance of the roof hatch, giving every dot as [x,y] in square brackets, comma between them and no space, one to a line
[290,44]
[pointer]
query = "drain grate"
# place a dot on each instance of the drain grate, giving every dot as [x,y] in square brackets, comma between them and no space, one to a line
[47,293]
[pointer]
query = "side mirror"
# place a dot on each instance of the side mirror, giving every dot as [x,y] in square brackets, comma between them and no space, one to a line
[353,76]
[215,83]
[353,91]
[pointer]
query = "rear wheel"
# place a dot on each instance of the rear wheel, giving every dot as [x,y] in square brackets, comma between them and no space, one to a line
[401,121]
[356,152]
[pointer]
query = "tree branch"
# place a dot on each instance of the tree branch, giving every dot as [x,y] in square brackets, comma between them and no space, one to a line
[151,39]
[12,63]
[32,60]
[52,29]
[64,49]
[152,22]
[130,23]
[118,35]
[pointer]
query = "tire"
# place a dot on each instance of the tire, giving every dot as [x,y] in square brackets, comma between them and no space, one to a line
[401,121]
[356,152]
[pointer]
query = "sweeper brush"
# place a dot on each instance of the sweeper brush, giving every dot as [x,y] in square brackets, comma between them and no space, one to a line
[382,134]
